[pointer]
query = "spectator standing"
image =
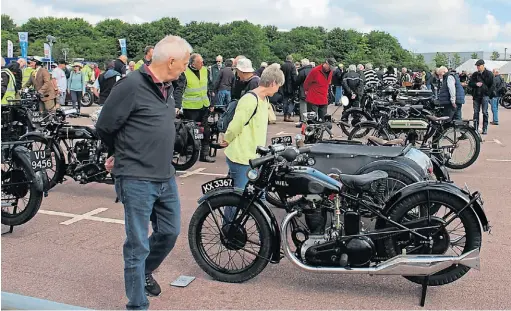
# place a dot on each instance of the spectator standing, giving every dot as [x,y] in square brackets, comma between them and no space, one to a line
[40,79]
[405,76]
[337,77]
[223,85]
[379,73]
[213,77]
[137,124]
[259,71]
[481,83]
[8,84]
[288,89]
[371,79]
[499,89]
[120,65]
[106,82]
[303,72]
[390,77]
[353,86]
[76,85]
[451,94]
[192,97]
[60,78]
[131,67]
[316,87]
[148,56]
[16,69]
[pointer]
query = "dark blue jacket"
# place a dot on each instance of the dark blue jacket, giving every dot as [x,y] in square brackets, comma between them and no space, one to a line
[444,97]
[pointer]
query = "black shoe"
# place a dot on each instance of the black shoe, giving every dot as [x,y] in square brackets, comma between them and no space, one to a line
[206,159]
[152,288]
[485,131]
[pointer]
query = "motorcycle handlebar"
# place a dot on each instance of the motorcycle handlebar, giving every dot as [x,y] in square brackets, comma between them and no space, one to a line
[288,154]
[260,161]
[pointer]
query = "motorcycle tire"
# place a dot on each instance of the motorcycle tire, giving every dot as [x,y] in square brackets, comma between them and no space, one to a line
[363,116]
[36,196]
[505,101]
[381,133]
[59,164]
[468,130]
[468,219]
[87,99]
[189,163]
[195,233]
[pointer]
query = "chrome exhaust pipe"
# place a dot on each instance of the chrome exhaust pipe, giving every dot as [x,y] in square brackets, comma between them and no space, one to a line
[408,265]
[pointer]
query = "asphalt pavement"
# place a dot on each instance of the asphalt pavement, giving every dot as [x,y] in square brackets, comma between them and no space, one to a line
[71,251]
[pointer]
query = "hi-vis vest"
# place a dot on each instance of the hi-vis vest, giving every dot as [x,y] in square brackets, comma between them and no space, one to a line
[196,92]
[10,92]
[27,72]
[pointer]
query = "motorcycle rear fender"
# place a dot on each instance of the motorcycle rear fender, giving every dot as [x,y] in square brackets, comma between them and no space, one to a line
[357,109]
[446,187]
[265,211]
[190,128]
[467,123]
[23,154]
[382,164]
[34,133]
[440,170]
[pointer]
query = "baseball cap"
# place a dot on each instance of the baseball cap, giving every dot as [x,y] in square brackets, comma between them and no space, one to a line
[244,65]
[480,62]
[331,61]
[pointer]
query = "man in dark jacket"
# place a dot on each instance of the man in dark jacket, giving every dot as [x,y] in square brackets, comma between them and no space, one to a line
[303,72]
[137,124]
[353,85]
[451,94]
[499,89]
[213,73]
[223,85]
[120,65]
[481,83]
[17,70]
[106,82]
[337,77]
[289,70]
[259,71]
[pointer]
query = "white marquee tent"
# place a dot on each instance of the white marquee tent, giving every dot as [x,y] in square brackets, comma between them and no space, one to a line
[505,72]
[470,65]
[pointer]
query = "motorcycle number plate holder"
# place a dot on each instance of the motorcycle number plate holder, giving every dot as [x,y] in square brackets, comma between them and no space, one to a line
[216,184]
[282,140]
[197,135]
[36,117]
[41,160]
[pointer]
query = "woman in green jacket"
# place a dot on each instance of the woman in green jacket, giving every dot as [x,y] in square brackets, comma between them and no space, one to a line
[76,85]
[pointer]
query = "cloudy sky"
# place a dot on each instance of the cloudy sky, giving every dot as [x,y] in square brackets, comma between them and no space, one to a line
[420,25]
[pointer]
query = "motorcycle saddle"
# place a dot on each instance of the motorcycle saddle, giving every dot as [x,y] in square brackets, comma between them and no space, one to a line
[383,142]
[363,181]
[437,119]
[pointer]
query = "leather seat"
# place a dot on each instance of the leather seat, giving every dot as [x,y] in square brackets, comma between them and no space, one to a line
[437,119]
[362,182]
[383,142]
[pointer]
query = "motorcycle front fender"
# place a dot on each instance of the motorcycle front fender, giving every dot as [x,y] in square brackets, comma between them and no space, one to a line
[34,133]
[440,171]
[265,211]
[448,188]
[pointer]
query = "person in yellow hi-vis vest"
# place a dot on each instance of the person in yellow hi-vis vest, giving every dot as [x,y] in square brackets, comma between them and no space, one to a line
[27,72]
[8,84]
[148,56]
[191,94]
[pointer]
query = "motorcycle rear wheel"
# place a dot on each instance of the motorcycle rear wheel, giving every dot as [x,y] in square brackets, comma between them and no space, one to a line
[192,155]
[59,165]
[208,264]
[467,217]
[348,116]
[505,101]
[87,99]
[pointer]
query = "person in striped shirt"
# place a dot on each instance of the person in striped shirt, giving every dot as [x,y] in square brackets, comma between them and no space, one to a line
[371,80]
[390,77]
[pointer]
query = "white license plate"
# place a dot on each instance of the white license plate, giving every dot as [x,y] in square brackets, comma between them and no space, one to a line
[197,134]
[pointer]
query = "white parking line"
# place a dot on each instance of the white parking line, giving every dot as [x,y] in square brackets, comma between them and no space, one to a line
[197,171]
[86,216]
[498,142]
[498,160]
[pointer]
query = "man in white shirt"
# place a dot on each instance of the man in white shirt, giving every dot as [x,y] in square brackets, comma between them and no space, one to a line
[59,75]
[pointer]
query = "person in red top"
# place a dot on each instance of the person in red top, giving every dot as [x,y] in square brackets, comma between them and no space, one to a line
[316,87]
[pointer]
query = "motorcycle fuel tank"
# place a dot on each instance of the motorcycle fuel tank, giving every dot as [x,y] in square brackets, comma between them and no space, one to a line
[302,180]
[408,124]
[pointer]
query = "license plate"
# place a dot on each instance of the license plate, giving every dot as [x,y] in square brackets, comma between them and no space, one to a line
[197,135]
[37,117]
[216,184]
[284,140]
[41,159]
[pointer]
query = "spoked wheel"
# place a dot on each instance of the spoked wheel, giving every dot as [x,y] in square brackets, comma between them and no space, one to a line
[20,198]
[505,101]
[461,145]
[229,251]
[187,157]
[362,131]
[454,231]
[87,99]
[56,173]
[350,118]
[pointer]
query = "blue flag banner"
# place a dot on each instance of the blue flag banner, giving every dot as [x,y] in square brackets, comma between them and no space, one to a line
[23,37]
[122,43]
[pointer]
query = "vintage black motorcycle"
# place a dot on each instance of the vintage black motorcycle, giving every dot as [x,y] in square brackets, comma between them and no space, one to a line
[233,234]
[188,142]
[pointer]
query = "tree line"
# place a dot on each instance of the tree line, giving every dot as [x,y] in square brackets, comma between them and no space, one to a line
[259,43]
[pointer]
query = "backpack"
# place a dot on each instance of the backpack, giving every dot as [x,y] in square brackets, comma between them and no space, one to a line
[228,115]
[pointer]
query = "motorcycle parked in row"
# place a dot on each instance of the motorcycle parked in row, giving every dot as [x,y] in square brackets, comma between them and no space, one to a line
[188,142]
[415,234]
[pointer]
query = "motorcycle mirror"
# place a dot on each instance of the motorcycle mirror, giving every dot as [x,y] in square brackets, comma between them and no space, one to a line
[345,101]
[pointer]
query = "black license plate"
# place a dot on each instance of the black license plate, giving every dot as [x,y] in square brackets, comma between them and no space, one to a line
[284,140]
[197,134]
[37,117]
[216,184]
[41,159]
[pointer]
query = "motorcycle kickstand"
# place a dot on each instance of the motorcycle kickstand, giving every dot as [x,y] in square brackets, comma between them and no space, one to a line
[424,290]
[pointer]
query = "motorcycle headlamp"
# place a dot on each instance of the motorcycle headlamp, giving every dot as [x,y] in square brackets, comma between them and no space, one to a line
[253,174]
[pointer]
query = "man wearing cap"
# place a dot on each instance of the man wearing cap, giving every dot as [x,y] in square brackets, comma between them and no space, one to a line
[316,87]
[481,83]
[59,75]
[191,94]
[40,79]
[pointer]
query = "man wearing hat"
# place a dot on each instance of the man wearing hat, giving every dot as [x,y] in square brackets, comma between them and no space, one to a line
[316,87]
[41,80]
[481,83]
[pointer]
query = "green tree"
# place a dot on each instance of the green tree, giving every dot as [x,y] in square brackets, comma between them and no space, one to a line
[495,55]
[474,56]
[456,59]
[7,23]
[440,59]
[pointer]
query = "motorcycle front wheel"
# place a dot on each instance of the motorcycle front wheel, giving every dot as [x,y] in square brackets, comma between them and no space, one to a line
[352,117]
[505,101]
[87,99]
[229,251]
[462,144]
[187,157]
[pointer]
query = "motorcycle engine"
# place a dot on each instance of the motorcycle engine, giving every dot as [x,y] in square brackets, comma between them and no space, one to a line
[84,151]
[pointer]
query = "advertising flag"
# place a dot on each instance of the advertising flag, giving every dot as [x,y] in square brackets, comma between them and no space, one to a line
[122,43]
[23,37]
[10,49]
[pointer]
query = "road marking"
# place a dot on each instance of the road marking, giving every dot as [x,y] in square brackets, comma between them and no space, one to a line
[498,142]
[188,173]
[498,160]
[86,216]
[283,133]
[195,172]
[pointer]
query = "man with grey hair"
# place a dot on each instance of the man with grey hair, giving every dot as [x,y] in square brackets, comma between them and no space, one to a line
[288,89]
[137,125]
[303,72]
[451,94]
[192,96]
[259,71]
[353,85]
[214,72]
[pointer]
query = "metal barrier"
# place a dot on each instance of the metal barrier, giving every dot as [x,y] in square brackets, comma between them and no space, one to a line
[12,301]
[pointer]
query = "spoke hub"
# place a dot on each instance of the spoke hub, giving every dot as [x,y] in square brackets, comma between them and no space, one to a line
[235,237]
